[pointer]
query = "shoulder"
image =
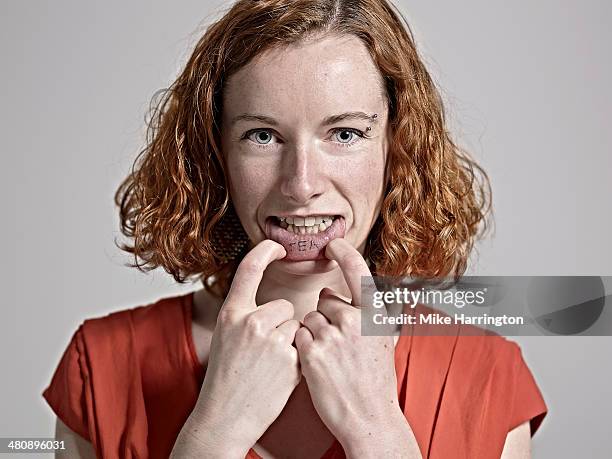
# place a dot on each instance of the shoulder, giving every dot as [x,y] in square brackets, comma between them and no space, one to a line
[472,348]
[489,350]
[137,330]
[122,336]
[111,362]
[111,337]
[477,357]
[151,338]
[163,312]
[474,357]
[495,368]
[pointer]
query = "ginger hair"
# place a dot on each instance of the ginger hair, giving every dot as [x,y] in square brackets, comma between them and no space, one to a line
[437,198]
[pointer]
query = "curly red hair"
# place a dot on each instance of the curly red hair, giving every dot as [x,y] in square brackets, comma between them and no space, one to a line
[437,198]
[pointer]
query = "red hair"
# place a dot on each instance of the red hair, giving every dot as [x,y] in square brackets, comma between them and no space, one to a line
[175,198]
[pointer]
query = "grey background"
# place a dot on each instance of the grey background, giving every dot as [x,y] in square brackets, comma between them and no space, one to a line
[527,87]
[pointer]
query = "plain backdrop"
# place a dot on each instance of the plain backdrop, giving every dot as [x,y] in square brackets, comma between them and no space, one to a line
[527,86]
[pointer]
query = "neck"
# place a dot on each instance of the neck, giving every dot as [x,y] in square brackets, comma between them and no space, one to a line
[302,290]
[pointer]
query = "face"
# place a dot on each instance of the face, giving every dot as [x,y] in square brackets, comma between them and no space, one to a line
[304,136]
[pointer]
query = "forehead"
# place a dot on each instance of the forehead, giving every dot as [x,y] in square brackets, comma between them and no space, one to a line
[313,77]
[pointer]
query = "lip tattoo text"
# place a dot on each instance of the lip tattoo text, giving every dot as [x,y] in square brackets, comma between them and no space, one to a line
[303,246]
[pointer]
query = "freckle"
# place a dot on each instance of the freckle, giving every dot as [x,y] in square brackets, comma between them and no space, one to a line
[370,433]
[235,372]
[248,405]
[376,360]
[386,347]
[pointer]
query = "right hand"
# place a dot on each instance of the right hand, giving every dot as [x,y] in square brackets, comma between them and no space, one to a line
[253,366]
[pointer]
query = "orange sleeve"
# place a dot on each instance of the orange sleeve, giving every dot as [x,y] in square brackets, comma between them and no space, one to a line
[69,391]
[528,404]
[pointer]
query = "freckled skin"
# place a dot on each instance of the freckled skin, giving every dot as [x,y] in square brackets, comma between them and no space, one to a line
[298,165]
[303,166]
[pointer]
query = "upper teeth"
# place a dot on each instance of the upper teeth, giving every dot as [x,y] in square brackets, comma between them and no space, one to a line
[306,225]
[306,221]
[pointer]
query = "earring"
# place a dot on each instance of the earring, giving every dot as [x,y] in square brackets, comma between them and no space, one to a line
[229,239]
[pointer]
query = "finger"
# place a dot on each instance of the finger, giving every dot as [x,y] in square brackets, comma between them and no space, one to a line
[315,322]
[288,329]
[353,267]
[274,313]
[249,273]
[303,339]
[332,306]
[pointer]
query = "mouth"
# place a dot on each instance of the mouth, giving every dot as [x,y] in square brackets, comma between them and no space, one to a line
[305,237]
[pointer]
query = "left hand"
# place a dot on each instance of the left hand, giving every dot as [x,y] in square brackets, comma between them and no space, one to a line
[351,378]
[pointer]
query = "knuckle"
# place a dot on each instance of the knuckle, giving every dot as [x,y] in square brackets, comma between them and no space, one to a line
[278,339]
[306,360]
[313,353]
[301,334]
[347,318]
[254,324]
[227,317]
[310,356]
[311,315]
[286,355]
[327,334]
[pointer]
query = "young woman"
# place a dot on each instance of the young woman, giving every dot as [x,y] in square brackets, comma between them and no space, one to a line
[303,146]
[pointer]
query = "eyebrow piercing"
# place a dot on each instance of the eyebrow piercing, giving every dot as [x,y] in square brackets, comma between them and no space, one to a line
[373,117]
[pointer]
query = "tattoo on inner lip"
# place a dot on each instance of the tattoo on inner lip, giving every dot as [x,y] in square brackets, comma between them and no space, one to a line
[304,245]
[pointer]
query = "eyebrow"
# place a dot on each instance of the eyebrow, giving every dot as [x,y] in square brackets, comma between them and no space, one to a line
[332,119]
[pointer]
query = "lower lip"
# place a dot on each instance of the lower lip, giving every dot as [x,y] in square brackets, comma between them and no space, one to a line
[304,247]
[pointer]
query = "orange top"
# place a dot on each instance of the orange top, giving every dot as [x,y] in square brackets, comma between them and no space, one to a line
[128,381]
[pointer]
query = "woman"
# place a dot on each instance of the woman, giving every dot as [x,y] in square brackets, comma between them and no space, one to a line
[302,147]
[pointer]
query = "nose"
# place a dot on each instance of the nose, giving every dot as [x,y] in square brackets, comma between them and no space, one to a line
[302,176]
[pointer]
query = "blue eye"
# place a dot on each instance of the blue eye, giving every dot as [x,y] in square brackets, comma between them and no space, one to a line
[260,139]
[345,137]
[346,140]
